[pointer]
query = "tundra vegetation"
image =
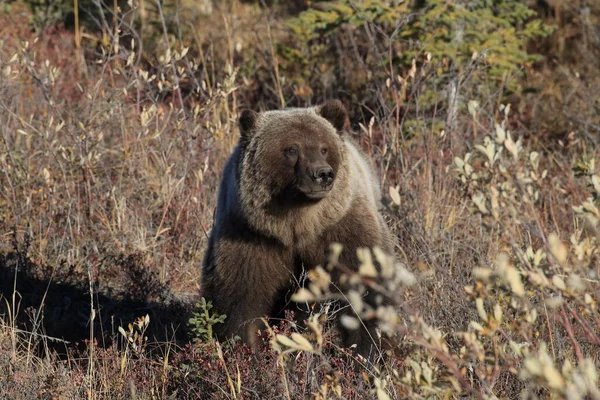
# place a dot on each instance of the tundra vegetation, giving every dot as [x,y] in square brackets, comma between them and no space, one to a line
[483,118]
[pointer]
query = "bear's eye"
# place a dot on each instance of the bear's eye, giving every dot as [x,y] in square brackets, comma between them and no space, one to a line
[324,150]
[291,151]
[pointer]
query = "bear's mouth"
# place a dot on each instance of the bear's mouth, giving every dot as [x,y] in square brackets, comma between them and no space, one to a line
[309,193]
[317,194]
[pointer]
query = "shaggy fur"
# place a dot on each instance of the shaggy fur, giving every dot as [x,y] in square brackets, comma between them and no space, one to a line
[263,236]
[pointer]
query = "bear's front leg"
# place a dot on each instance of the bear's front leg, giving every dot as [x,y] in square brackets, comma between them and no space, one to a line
[243,281]
[361,230]
[365,336]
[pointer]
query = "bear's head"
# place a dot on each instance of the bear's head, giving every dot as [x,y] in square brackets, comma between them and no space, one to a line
[293,160]
[297,151]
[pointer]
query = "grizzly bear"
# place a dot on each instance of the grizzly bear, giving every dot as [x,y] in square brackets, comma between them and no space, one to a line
[294,184]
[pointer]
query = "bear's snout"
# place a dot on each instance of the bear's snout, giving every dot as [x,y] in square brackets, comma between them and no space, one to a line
[315,180]
[324,176]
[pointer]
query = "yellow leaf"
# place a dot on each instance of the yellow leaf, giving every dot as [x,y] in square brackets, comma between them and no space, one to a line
[558,282]
[286,341]
[303,295]
[395,194]
[557,248]
[303,343]
[480,309]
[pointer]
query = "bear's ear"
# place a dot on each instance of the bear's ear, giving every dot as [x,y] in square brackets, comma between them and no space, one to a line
[334,112]
[248,121]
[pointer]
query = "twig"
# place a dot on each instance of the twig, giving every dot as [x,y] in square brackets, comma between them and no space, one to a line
[91,344]
[569,329]
[274,58]
[40,335]
[175,76]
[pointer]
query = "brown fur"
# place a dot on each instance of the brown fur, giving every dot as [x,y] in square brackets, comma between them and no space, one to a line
[262,238]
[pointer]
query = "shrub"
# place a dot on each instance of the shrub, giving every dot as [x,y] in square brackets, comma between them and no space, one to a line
[203,320]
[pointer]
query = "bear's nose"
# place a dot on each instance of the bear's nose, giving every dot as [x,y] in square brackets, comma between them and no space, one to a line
[324,176]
